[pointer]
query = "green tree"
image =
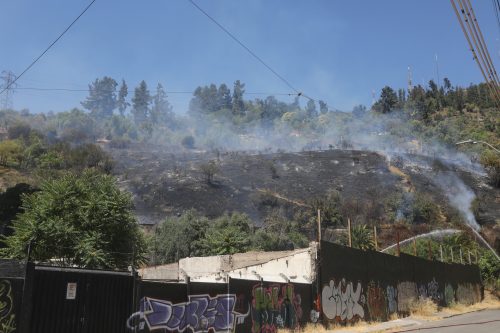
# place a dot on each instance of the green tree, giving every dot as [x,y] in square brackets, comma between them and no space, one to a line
[83,220]
[388,100]
[161,110]
[101,100]
[279,233]
[361,238]
[323,107]
[229,234]
[177,238]
[121,102]
[11,152]
[491,161]
[140,103]
[238,105]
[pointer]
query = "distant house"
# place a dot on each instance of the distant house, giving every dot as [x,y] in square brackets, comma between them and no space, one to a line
[3,133]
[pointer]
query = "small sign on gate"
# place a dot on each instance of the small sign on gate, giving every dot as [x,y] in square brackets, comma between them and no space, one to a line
[71,290]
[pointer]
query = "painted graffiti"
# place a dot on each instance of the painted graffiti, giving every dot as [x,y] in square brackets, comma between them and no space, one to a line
[407,294]
[468,293]
[275,307]
[392,299]
[201,313]
[343,302]
[7,315]
[376,301]
[449,294]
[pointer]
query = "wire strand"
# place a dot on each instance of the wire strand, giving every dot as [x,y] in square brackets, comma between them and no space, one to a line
[48,48]
[245,47]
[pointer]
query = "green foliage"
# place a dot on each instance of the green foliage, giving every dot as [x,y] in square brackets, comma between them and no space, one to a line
[361,237]
[279,233]
[177,238]
[228,234]
[101,100]
[489,266]
[388,100]
[140,103]
[82,220]
[11,152]
[209,170]
[424,210]
[491,161]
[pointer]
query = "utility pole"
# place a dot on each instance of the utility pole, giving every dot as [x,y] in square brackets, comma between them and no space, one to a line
[8,84]
[319,227]
[349,231]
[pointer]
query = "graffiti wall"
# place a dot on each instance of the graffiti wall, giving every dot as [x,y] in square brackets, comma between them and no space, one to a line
[370,285]
[11,291]
[237,306]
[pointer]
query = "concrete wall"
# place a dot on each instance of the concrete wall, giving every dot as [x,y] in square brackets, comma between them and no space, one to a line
[296,266]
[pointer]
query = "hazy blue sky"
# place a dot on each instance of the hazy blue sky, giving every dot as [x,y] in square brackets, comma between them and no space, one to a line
[336,50]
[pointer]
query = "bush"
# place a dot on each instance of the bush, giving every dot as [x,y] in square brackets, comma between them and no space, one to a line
[188,142]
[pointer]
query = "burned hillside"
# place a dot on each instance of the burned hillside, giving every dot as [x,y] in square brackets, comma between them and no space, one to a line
[374,189]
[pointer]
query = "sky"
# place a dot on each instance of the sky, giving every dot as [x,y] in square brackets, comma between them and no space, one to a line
[339,51]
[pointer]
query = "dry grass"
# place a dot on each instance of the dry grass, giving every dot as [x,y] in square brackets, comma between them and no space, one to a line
[490,302]
[423,308]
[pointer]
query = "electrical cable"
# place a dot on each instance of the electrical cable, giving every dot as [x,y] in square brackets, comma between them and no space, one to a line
[167,92]
[493,91]
[48,48]
[247,48]
[481,37]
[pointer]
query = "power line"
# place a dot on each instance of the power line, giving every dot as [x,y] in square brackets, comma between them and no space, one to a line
[48,48]
[247,48]
[168,92]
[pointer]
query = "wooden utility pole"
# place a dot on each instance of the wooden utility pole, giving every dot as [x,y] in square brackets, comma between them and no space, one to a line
[414,246]
[349,231]
[319,226]
[397,239]
[375,237]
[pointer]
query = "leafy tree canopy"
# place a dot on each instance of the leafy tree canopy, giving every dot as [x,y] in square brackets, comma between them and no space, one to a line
[82,220]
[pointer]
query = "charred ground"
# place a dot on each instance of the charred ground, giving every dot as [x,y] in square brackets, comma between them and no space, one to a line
[168,184]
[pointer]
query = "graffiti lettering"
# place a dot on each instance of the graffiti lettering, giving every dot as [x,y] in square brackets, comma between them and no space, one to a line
[200,314]
[7,317]
[274,307]
[342,302]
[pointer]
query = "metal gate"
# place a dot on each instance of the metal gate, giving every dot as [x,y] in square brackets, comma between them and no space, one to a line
[80,301]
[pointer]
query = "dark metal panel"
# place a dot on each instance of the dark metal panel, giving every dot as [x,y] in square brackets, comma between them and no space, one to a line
[102,303]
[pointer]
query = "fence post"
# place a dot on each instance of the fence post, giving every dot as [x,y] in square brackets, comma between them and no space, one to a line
[375,237]
[397,239]
[414,246]
[468,254]
[441,252]
[349,231]
[461,258]
[451,251]
[429,254]
[319,226]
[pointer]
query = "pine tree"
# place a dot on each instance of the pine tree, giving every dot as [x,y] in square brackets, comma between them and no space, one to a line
[238,106]
[101,100]
[161,110]
[122,103]
[140,103]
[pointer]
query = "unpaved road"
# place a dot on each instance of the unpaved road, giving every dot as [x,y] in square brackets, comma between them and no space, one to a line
[486,321]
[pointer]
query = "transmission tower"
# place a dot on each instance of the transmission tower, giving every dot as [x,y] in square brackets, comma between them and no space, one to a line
[9,85]
[410,84]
